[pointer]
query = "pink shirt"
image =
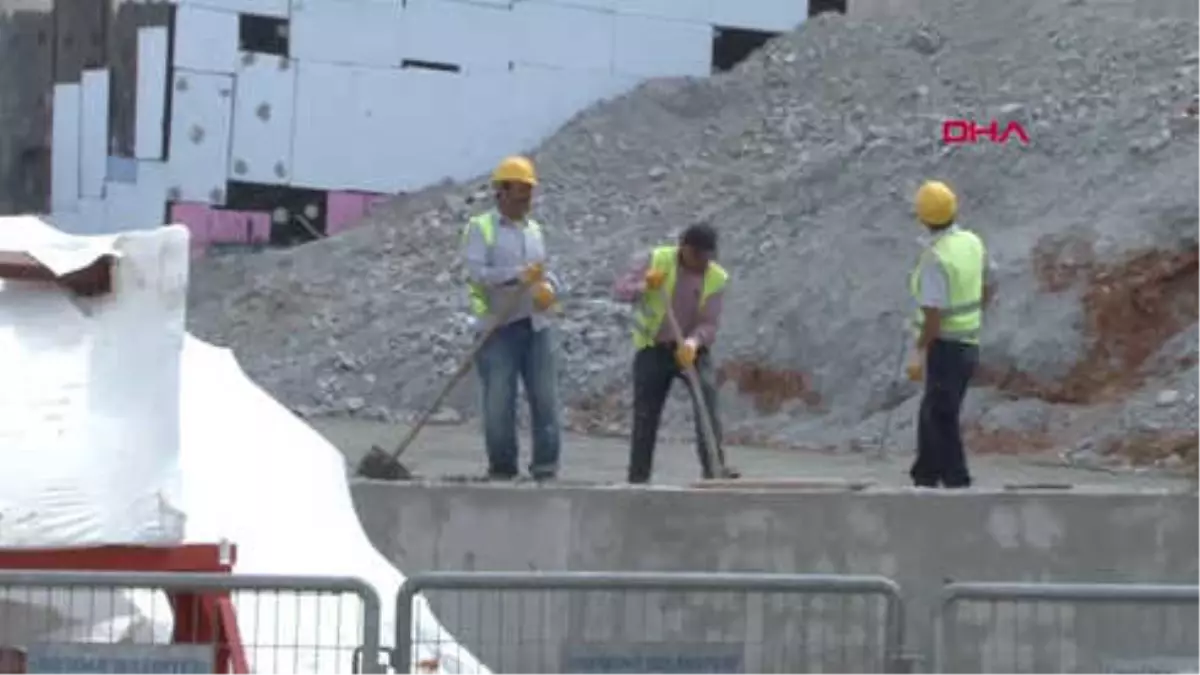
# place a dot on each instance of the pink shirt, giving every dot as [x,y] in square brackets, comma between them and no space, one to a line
[694,321]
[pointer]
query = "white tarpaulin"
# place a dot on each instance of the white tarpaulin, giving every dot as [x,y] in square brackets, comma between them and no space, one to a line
[89,421]
[116,428]
[257,475]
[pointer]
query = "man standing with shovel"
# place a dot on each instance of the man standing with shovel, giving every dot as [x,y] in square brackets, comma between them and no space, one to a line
[510,293]
[679,292]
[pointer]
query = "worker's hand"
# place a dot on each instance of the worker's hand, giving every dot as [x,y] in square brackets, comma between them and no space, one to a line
[655,279]
[916,368]
[685,354]
[532,273]
[543,296]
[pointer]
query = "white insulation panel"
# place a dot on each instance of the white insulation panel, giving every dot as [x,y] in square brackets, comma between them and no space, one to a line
[275,8]
[263,110]
[206,40]
[562,37]
[650,47]
[202,109]
[64,148]
[696,11]
[151,97]
[344,135]
[775,16]
[362,33]
[93,138]
[140,205]
[475,37]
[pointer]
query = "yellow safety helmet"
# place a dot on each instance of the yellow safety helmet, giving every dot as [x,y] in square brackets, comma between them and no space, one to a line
[515,169]
[936,204]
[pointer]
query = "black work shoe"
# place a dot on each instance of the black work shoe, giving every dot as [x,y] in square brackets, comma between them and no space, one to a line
[728,472]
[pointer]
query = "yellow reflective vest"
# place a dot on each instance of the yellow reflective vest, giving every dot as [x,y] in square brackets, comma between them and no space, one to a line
[486,222]
[961,257]
[653,309]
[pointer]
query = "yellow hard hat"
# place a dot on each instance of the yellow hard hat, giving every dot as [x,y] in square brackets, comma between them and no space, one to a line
[936,203]
[515,169]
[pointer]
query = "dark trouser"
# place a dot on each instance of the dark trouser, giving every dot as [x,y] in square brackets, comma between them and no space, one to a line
[941,459]
[513,352]
[654,368]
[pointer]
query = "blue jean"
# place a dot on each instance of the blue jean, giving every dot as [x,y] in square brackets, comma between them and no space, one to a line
[516,350]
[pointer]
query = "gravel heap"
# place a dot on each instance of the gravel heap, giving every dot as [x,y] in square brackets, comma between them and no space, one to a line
[805,157]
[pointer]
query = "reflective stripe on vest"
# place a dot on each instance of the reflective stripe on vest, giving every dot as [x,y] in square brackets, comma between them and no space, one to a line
[652,310]
[960,257]
[486,222]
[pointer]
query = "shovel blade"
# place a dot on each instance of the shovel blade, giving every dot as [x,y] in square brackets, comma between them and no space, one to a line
[378,464]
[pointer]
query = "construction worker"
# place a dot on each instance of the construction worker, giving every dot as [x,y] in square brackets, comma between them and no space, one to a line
[695,283]
[510,288]
[951,287]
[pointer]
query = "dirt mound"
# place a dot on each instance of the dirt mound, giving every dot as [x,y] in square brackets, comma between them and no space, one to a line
[805,158]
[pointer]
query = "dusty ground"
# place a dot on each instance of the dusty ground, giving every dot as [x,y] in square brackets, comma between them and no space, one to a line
[458,451]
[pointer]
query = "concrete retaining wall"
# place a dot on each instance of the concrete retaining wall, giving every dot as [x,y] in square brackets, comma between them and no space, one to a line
[919,540]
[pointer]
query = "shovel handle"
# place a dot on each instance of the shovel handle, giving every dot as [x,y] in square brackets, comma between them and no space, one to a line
[464,366]
[706,423]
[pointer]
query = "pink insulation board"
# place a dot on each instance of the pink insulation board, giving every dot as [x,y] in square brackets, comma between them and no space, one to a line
[209,226]
[344,209]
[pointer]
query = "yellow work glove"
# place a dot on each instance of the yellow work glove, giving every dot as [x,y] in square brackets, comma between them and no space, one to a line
[532,273]
[543,296]
[916,367]
[655,279]
[685,354]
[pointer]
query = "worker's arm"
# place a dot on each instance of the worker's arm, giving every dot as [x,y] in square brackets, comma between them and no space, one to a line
[479,269]
[710,319]
[989,281]
[630,286]
[935,295]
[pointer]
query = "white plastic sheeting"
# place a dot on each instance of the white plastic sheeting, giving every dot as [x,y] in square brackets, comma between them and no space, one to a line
[89,426]
[257,475]
[121,425]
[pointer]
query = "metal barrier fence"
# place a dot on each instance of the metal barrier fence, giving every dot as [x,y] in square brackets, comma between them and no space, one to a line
[578,622]
[56,621]
[1066,628]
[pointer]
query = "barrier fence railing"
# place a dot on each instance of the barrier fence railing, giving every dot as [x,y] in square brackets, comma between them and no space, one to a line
[1066,628]
[62,621]
[578,622]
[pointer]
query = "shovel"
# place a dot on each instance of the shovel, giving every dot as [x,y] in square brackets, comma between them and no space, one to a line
[720,471]
[379,464]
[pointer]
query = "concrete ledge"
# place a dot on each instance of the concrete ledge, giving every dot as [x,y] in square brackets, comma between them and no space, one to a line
[921,539]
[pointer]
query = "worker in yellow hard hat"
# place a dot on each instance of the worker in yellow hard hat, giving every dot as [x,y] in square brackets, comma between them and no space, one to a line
[950,286]
[511,293]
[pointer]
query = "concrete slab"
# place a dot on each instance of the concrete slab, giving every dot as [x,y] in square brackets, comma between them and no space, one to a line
[458,451]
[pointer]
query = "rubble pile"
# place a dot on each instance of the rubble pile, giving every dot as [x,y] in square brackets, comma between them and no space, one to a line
[805,157]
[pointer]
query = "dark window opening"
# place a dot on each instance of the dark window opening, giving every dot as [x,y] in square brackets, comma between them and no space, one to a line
[431,65]
[731,46]
[262,34]
[816,7]
[297,215]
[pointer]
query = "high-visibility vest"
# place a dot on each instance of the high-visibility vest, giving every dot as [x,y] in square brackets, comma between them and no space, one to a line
[486,223]
[653,309]
[961,257]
